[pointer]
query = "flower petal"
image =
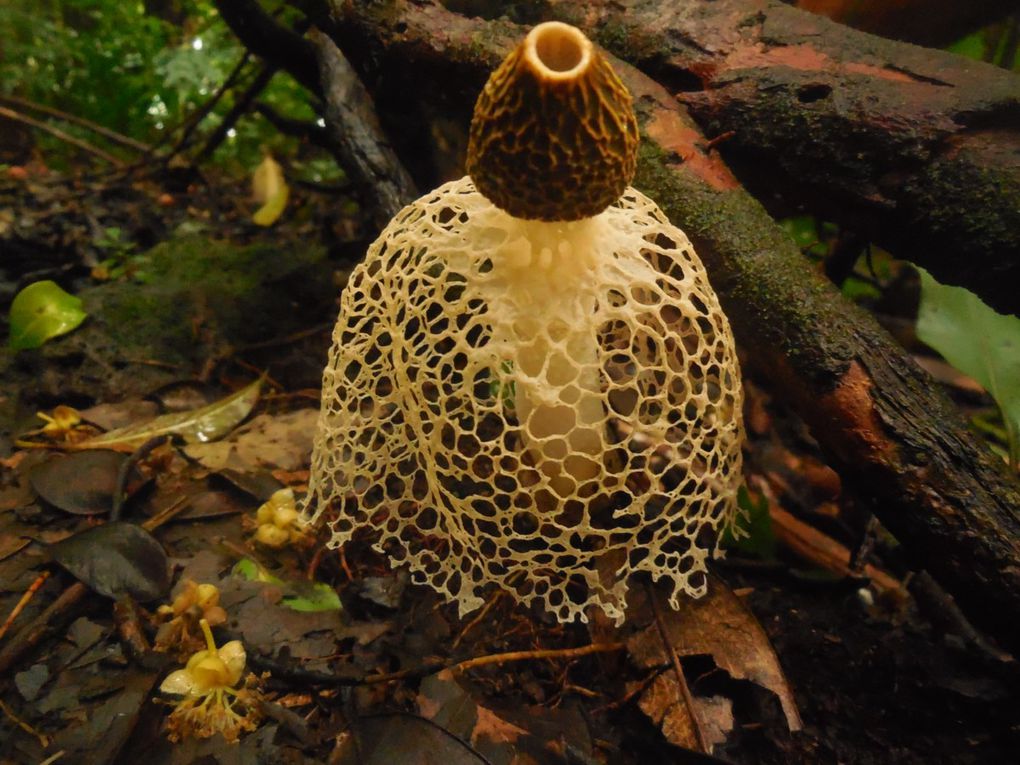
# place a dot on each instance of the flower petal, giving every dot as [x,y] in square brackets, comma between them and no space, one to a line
[179,683]
[234,657]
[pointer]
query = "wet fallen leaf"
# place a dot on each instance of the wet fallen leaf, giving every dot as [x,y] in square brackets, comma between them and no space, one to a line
[401,738]
[662,702]
[120,414]
[42,311]
[206,423]
[257,616]
[213,504]
[718,625]
[82,483]
[183,395]
[116,559]
[260,484]
[520,735]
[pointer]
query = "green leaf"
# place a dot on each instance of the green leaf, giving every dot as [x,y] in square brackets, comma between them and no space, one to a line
[42,311]
[311,596]
[753,533]
[207,423]
[971,46]
[298,595]
[977,341]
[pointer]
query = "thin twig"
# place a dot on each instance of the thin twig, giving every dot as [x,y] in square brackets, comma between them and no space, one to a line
[685,692]
[477,620]
[57,133]
[25,600]
[120,492]
[196,117]
[241,105]
[24,725]
[324,678]
[74,119]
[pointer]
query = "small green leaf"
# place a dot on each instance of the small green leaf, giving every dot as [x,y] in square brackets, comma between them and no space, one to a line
[297,596]
[753,534]
[42,311]
[248,569]
[206,423]
[311,596]
[977,341]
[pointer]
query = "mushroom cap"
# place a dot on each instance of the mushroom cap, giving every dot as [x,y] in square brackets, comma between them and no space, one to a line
[554,136]
[461,335]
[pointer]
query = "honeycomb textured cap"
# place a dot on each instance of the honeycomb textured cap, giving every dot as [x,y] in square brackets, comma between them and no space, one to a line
[547,407]
[554,136]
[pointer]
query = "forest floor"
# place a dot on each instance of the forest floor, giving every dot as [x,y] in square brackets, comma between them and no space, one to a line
[871,662]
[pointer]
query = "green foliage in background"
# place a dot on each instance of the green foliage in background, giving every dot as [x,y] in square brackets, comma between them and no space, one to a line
[994,44]
[977,341]
[121,66]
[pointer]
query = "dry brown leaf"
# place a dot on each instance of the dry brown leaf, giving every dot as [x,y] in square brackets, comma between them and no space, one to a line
[495,729]
[663,704]
[718,625]
[273,442]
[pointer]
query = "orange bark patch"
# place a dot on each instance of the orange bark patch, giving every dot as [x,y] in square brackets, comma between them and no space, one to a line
[668,129]
[808,59]
[880,72]
[851,409]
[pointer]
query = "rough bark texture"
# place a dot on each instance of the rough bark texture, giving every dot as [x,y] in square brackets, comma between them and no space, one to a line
[358,141]
[887,427]
[273,43]
[918,150]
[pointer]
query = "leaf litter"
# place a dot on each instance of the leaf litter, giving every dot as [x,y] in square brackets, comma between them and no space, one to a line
[93,700]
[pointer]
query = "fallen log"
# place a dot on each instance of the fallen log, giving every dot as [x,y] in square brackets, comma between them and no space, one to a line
[894,436]
[917,150]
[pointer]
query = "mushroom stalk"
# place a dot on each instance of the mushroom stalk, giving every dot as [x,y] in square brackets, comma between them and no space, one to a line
[552,347]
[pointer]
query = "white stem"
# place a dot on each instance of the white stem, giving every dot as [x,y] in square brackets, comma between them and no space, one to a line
[549,289]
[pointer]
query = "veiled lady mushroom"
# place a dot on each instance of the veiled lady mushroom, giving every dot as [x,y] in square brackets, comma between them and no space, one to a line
[532,383]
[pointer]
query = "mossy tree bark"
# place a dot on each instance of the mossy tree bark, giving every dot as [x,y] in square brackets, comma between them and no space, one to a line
[896,439]
[917,150]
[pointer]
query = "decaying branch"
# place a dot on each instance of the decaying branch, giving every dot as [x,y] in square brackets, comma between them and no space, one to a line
[892,434]
[278,46]
[356,138]
[918,150]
